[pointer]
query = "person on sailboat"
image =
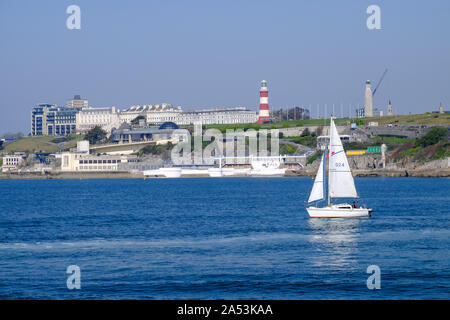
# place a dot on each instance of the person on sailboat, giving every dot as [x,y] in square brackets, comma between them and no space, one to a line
[355,205]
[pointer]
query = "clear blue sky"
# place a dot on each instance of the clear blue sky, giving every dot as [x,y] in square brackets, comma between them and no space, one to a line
[203,53]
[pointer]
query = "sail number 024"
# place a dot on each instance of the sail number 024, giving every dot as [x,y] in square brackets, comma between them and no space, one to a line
[339,164]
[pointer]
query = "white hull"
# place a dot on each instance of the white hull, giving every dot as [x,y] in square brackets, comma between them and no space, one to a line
[338,211]
[214,172]
[239,172]
[194,172]
[223,172]
[171,172]
[151,172]
[227,172]
[167,172]
[267,172]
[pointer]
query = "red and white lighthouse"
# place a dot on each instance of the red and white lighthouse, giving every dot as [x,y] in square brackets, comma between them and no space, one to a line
[263,103]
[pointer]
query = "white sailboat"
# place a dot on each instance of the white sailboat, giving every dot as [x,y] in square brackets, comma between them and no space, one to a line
[340,183]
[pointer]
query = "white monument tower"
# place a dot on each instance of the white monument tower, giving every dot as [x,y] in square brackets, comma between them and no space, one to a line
[383,155]
[368,110]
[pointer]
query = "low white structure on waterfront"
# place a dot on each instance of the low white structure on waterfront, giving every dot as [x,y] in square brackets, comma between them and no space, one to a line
[80,160]
[13,162]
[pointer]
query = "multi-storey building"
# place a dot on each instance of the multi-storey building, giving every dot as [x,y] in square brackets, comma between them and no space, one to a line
[217,116]
[38,120]
[106,118]
[51,120]
[77,102]
[154,114]
[158,114]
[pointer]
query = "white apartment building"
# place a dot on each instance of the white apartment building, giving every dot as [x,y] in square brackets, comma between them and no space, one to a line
[158,114]
[13,162]
[154,114]
[106,118]
[218,116]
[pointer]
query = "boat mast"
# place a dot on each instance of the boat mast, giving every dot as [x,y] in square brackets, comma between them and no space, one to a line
[324,170]
[329,162]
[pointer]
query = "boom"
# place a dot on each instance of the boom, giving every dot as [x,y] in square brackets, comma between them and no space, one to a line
[379,82]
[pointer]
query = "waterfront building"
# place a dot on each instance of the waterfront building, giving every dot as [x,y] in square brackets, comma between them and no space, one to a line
[13,162]
[77,102]
[94,163]
[75,162]
[37,119]
[51,120]
[80,160]
[88,118]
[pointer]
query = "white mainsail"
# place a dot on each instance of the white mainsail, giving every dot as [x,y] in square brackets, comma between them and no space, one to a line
[340,180]
[317,189]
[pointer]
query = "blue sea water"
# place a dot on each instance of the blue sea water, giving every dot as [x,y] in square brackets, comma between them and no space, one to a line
[230,238]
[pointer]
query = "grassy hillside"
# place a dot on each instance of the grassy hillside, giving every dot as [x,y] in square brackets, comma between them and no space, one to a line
[277,125]
[413,119]
[432,146]
[42,144]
